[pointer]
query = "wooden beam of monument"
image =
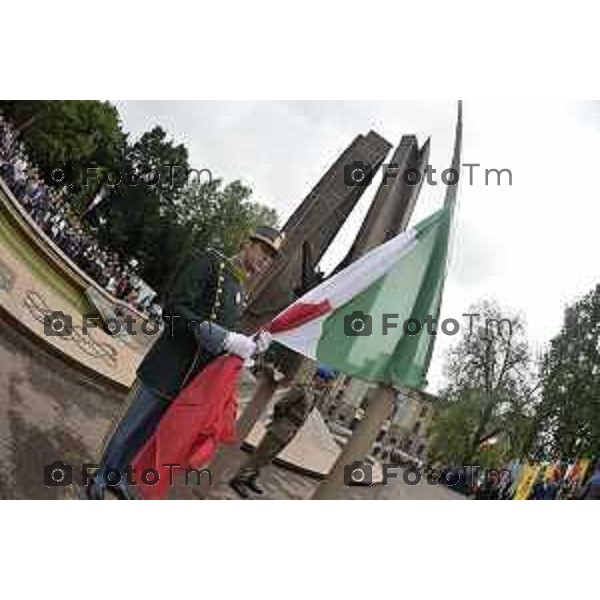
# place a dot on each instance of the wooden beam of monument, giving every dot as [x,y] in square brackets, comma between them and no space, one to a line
[395,200]
[317,221]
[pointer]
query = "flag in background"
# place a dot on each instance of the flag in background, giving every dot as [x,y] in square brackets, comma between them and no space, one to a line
[529,476]
[96,200]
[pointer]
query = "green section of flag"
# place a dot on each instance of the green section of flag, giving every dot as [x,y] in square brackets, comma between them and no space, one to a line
[410,289]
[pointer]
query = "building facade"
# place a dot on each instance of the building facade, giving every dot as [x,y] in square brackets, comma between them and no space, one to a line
[404,438]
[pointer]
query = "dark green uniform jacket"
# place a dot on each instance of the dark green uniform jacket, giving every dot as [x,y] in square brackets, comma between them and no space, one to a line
[207,288]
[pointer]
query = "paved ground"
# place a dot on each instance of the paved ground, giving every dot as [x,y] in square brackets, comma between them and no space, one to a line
[36,279]
[48,411]
[281,484]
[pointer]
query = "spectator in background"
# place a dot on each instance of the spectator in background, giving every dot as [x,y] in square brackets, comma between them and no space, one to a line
[546,487]
[50,210]
[591,490]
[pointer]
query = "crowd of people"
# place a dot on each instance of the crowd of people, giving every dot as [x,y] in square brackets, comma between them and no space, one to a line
[50,209]
[551,482]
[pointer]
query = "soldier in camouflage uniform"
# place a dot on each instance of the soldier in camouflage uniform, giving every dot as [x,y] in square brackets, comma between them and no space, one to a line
[289,415]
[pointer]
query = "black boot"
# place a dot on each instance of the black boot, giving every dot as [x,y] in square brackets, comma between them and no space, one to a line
[252,483]
[238,485]
[245,481]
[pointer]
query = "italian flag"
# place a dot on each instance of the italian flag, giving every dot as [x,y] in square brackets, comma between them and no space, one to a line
[402,278]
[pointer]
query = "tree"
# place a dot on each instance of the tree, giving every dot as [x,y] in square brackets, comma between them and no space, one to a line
[219,217]
[225,216]
[155,209]
[491,389]
[451,425]
[69,134]
[570,408]
[139,217]
[160,224]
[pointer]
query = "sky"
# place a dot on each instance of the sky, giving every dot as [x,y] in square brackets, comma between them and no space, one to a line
[533,246]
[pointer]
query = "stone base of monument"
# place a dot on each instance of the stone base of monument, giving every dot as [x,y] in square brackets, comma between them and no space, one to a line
[312,452]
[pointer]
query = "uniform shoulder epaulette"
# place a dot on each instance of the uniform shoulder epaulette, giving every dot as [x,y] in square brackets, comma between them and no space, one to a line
[215,254]
[225,263]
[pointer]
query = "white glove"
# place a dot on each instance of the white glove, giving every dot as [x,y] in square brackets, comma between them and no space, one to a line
[240,345]
[263,340]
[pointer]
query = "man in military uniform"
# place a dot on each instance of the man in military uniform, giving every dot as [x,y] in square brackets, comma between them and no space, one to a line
[289,415]
[202,310]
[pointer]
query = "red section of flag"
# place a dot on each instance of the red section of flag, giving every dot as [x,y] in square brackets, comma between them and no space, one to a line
[200,418]
[299,314]
[203,415]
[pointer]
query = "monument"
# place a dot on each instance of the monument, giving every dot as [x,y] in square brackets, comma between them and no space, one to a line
[315,224]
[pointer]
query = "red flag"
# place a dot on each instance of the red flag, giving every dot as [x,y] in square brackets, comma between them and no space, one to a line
[203,415]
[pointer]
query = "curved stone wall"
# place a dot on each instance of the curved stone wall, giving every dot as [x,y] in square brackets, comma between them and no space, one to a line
[37,279]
